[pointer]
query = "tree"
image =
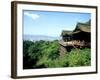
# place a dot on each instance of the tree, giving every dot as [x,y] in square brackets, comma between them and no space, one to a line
[26,58]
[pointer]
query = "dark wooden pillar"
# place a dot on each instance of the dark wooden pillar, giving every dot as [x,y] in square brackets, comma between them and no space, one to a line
[63,50]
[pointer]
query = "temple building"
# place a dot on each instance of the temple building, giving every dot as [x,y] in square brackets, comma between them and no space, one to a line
[80,37]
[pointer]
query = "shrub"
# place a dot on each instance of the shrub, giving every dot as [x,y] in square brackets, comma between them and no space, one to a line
[80,57]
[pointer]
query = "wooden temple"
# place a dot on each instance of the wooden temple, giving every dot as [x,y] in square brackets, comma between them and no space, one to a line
[80,37]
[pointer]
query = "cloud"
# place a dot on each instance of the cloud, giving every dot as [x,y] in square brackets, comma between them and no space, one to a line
[31,15]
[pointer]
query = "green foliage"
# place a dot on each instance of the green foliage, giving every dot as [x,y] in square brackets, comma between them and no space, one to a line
[79,57]
[27,61]
[26,45]
[45,54]
[50,51]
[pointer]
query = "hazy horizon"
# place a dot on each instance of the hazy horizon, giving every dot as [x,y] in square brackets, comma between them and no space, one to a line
[40,37]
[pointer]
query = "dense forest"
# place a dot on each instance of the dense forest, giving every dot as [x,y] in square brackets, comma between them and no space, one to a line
[45,54]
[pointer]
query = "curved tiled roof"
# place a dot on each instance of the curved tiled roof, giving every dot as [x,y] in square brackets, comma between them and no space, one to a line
[85,27]
[82,27]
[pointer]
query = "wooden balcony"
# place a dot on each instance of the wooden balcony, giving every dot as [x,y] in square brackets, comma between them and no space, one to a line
[74,43]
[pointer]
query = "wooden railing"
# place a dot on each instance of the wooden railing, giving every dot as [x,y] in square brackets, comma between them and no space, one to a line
[74,43]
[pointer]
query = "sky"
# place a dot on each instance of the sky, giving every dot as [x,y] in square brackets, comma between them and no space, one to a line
[51,23]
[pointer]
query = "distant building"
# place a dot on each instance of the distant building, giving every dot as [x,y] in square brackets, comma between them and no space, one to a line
[80,37]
